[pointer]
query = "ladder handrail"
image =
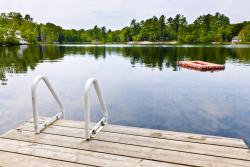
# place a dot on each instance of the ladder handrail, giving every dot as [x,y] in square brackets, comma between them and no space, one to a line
[35,82]
[90,133]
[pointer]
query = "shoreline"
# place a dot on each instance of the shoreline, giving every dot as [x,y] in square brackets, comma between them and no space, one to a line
[133,43]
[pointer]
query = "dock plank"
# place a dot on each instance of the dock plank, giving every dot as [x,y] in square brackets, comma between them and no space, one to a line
[8,159]
[188,137]
[154,154]
[182,146]
[77,156]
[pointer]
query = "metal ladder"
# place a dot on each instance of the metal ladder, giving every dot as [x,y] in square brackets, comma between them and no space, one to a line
[92,132]
[38,128]
[89,132]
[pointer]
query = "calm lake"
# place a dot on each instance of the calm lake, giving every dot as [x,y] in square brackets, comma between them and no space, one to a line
[142,86]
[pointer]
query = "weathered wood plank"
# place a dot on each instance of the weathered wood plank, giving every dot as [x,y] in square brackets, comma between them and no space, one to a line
[8,159]
[123,150]
[188,137]
[198,148]
[76,156]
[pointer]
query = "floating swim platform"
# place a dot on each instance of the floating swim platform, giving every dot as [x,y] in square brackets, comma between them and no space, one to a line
[201,65]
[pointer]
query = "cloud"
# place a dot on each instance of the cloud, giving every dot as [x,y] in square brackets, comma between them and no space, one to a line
[118,13]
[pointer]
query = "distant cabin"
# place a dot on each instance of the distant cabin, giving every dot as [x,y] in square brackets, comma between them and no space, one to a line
[19,37]
[8,34]
[235,39]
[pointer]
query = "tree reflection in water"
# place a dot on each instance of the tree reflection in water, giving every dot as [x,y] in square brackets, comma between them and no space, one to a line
[20,59]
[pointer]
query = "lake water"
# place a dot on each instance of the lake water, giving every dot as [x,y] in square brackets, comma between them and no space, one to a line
[142,86]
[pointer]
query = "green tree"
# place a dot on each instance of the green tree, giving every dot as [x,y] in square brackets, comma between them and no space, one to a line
[151,29]
[29,32]
[135,29]
[174,25]
[244,34]
[28,18]
[211,28]
[162,22]
[50,33]
[124,35]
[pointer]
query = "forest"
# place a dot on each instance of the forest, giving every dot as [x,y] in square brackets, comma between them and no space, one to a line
[205,29]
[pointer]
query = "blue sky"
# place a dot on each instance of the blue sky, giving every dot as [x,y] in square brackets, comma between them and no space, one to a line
[115,14]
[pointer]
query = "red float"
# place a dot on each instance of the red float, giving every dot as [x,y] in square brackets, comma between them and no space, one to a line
[201,65]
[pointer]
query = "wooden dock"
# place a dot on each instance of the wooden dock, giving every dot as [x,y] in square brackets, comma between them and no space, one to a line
[63,144]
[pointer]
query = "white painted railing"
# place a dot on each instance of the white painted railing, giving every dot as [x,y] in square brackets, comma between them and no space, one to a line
[40,127]
[92,132]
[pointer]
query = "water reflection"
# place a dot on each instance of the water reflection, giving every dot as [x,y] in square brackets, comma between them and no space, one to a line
[18,59]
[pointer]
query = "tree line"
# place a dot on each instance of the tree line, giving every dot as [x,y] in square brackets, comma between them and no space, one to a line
[205,29]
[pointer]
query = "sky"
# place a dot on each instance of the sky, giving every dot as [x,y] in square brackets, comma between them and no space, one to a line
[116,14]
